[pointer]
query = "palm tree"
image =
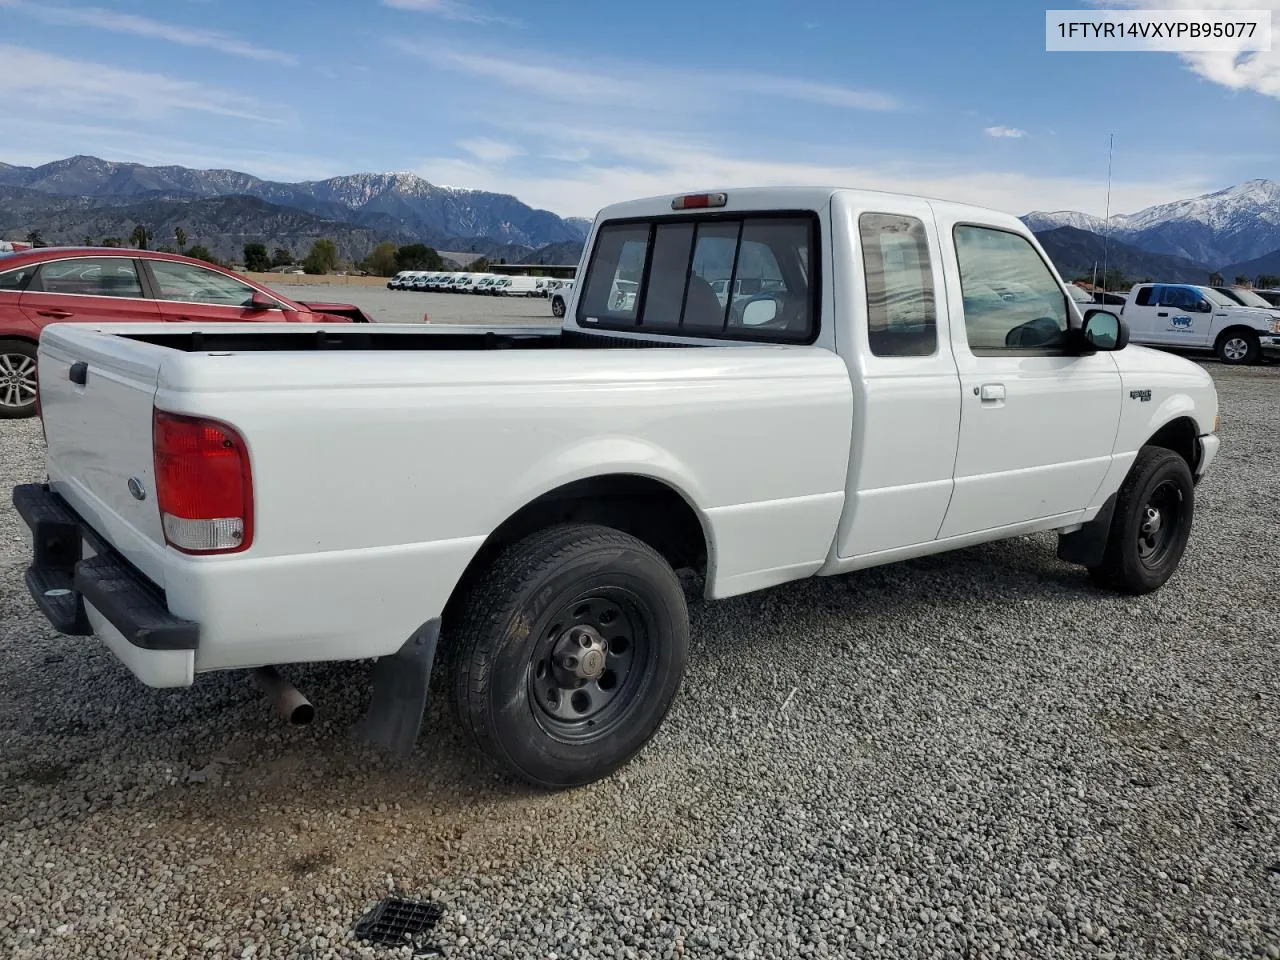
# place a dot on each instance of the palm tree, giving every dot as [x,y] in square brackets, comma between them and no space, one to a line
[138,238]
[180,236]
[88,240]
[34,238]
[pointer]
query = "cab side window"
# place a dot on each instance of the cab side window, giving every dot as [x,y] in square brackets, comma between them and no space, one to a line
[1180,298]
[1144,297]
[1012,303]
[902,318]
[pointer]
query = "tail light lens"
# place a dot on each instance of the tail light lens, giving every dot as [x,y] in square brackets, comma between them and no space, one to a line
[203,484]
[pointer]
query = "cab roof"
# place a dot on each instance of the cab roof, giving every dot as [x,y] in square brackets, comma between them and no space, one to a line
[817,198]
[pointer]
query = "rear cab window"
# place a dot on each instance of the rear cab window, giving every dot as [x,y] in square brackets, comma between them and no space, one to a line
[734,277]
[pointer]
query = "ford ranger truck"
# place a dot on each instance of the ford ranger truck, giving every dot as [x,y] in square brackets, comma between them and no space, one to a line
[884,377]
[1191,317]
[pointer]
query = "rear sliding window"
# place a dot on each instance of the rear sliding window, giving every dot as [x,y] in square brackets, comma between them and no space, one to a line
[749,278]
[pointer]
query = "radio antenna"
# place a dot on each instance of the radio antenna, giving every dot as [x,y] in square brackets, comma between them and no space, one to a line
[1106,223]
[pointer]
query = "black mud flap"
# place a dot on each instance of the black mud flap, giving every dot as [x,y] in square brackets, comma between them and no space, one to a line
[399,700]
[1087,545]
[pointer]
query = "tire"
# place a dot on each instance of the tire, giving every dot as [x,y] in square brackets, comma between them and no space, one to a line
[508,654]
[1238,347]
[17,379]
[1137,558]
[557,307]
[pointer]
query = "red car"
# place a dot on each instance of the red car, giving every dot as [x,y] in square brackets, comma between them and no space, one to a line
[111,285]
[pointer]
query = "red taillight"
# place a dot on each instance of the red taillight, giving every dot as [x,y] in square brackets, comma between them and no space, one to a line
[203,484]
[699,201]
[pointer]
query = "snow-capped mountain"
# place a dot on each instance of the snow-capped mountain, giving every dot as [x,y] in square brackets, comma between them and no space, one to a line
[1227,226]
[1040,221]
[418,207]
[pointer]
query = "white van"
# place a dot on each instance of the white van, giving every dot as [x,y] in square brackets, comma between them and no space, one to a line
[520,287]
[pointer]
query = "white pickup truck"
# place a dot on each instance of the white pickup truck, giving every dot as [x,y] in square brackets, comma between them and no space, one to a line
[1191,317]
[901,377]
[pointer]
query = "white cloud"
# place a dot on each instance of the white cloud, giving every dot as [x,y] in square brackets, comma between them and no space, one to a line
[657,165]
[36,81]
[449,9]
[659,88]
[116,22]
[1012,133]
[1258,71]
[490,151]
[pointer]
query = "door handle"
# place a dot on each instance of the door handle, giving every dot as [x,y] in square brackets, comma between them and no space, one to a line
[990,392]
[1163,313]
[56,314]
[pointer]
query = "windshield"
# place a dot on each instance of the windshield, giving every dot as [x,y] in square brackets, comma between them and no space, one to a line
[1251,299]
[1213,296]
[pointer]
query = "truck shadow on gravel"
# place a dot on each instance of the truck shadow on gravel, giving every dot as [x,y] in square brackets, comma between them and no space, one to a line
[212,767]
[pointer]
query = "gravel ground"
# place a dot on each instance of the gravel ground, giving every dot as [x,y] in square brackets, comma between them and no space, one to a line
[408,306]
[975,755]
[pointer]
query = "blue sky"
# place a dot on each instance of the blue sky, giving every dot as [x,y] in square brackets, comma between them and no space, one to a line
[572,105]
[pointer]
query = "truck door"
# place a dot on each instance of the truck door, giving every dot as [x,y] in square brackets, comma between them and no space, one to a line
[1038,421]
[1180,319]
[907,396]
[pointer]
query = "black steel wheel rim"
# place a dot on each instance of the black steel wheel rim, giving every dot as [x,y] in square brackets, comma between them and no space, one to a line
[1158,523]
[17,380]
[590,664]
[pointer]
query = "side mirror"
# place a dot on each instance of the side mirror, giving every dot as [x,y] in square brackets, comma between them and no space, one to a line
[261,301]
[759,312]
[1204,306]
[1103,330]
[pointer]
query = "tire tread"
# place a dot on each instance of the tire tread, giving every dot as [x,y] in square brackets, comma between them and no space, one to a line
[489,604]
[1115,571]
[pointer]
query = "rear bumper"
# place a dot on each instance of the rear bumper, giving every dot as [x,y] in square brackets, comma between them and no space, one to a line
[84,587]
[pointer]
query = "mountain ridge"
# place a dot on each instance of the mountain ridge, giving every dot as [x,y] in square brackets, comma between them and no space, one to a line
[1232,225]
[420,208]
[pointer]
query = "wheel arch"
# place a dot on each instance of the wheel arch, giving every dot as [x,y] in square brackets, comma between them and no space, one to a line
[1233,328]
[653,510]
[1181,435]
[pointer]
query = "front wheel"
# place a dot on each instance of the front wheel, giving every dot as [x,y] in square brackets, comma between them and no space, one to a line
[17,379]
[557,307]
[1151,524]
[1238,347]
[567,654]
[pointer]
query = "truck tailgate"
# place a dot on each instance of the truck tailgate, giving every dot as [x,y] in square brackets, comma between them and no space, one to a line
[96,398]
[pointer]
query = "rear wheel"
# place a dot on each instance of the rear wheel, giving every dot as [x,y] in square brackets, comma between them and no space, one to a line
[1151,524]
[1238,347]
[557,307]
[568,653]
[17,379]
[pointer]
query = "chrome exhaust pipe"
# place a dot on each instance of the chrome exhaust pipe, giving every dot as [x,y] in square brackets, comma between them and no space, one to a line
[288,700]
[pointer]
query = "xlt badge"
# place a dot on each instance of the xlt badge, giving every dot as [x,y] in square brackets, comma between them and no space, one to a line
[1143,395]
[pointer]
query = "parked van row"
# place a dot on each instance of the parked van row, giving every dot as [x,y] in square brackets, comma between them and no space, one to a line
[493,284]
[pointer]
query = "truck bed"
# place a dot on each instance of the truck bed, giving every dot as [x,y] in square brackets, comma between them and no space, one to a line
[381,459]
[401,338]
